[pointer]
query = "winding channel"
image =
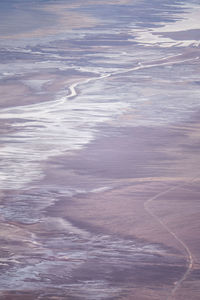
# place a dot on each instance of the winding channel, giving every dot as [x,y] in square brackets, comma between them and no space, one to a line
[51,121]
[41,109]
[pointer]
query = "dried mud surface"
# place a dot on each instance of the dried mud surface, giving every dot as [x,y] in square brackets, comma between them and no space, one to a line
[99,169]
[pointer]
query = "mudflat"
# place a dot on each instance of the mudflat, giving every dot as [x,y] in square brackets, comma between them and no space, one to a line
[99,169]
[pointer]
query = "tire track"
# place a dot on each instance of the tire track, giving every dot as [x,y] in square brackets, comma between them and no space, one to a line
[187,251]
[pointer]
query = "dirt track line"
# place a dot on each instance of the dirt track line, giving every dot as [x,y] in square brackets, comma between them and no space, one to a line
[185,247]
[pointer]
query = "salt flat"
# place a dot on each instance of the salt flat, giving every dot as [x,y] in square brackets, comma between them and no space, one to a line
[99,169]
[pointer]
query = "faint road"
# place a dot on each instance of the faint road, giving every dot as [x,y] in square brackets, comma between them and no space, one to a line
[185,247]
